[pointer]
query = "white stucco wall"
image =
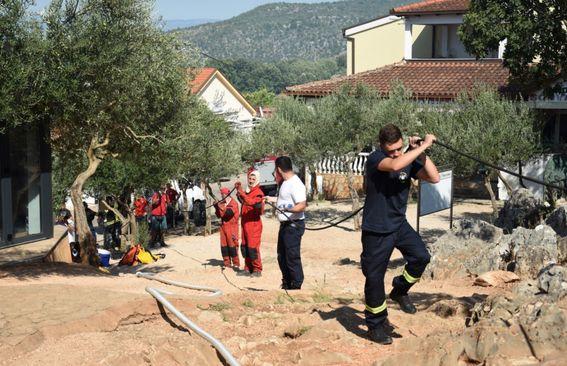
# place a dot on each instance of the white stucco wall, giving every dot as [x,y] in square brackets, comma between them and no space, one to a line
[220,100]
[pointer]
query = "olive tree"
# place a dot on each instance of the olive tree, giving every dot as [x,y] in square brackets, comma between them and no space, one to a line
[115,82]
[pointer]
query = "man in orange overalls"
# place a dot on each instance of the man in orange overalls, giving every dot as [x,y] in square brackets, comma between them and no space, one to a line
[252,209]
[227,210]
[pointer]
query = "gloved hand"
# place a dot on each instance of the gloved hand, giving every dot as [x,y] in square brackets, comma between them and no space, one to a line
[238,185]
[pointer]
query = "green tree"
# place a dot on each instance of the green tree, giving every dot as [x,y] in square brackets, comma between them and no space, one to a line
[535,30]
[21,47]
[115,84]
[206,148]
[480,123]
[483,124]
[261,97]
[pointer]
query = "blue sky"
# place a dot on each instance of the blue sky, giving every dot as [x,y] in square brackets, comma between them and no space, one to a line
[209,9]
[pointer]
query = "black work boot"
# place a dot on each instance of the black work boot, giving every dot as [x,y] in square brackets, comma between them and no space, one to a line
[379,335]
[404,301]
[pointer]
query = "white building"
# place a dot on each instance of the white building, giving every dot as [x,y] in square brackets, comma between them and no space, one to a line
[222,98]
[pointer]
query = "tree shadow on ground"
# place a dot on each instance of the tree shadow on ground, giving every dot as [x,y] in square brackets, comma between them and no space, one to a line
[353,319]
[325,216]
[37,270]
[148,268]
[213,262]
[392,264]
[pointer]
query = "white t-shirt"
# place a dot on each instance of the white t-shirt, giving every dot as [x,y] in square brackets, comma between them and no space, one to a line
[291,193]
[194,194]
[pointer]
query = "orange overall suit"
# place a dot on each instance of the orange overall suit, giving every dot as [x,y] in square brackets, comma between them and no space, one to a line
[252,209]
[227,211]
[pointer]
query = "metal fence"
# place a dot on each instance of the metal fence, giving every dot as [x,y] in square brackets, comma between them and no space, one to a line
[340,165]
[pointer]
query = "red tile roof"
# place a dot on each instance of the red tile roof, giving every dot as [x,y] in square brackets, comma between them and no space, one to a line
[201,78]
[427,79]
[433,7]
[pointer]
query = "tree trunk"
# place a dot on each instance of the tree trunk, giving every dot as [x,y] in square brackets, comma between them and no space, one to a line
[314,186]
[208,228]
[353,195]
[492,196]
[505,182]
[87,242]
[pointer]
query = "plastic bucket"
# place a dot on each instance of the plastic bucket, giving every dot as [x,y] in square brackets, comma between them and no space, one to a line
[104,256]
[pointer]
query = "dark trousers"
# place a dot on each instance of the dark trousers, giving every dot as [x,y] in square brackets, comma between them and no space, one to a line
[112,235]
[158,226]
[376,252]
[289,253]
[170,215]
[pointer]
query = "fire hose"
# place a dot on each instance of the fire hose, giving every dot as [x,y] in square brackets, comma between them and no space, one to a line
[158,294]
[452,149]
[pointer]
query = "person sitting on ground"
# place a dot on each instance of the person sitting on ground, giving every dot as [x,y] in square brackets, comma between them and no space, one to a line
[227,210]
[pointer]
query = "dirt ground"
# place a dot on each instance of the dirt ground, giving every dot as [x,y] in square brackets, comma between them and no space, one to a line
[55,314]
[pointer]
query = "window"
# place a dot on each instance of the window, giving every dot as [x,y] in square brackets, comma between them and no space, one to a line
[447,44]
[25,186]
[26,182]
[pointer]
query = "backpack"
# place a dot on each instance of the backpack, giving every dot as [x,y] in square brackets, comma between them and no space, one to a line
[144,256]
[137,254]
[129,258]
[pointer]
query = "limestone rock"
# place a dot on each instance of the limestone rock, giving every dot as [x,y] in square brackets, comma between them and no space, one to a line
[521,210]
[472,248]
[553,281]
[557,220]
[562,250]
[531,250]
[467,229]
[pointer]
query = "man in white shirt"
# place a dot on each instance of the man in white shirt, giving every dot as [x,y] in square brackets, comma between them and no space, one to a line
[193,193]
[292,200]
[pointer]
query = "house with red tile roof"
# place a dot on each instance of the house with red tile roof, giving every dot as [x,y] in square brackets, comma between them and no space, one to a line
[418,45]
[221,96]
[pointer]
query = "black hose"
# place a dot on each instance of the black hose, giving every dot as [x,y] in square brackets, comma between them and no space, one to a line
[224,199]
[564,189]
[318,228]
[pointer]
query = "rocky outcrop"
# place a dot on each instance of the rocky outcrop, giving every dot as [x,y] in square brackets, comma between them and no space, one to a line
[521,210]
[471,248]
[475,247]
[527,327]
[527,251]
[557,220]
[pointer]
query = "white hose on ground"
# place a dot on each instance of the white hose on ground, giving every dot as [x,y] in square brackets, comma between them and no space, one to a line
[158,295]
[214,291]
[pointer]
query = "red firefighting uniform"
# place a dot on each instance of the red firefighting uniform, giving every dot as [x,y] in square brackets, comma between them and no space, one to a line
[228,213]
[252,209]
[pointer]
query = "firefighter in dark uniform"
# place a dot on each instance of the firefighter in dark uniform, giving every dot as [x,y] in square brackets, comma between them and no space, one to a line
[385,227]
